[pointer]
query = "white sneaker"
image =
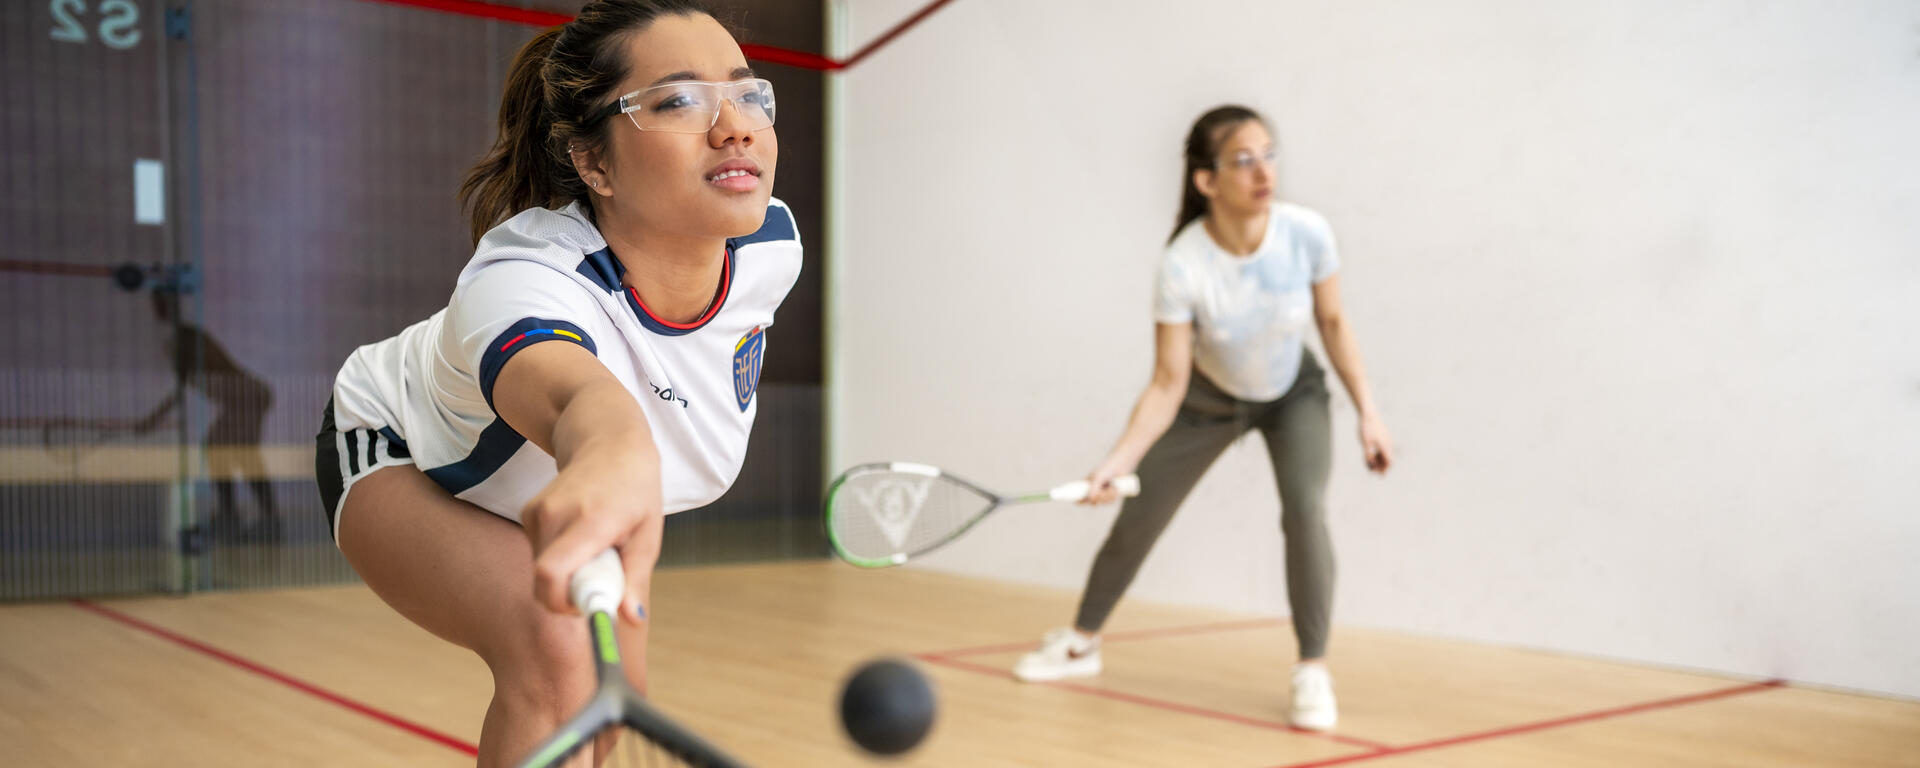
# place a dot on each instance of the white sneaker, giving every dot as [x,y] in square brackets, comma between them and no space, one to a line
[1063,653]
[1313,706]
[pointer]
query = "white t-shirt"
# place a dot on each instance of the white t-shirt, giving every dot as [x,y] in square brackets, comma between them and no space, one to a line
[547,275]
[1250,314]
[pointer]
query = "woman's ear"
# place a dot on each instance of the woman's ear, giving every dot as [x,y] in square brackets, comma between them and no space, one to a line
[1203,181]
[586,162]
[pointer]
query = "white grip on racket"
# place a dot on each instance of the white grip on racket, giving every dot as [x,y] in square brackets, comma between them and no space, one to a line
[1127,485]
[599,585]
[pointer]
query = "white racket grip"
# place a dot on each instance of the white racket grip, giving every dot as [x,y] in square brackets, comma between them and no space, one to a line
[599,585]
[1127,485]
[1073,491]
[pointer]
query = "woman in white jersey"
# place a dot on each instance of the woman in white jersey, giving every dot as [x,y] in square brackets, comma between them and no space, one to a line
[1243,278]
[595,366]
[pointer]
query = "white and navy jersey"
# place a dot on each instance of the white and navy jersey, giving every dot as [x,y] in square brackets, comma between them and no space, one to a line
[1250,314]
[548,276]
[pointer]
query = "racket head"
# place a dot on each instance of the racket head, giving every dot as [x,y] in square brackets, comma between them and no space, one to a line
[625,731]
[619,724]
[647,737]
[880,515]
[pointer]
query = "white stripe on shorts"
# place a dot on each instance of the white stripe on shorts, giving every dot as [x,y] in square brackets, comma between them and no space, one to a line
[340,447]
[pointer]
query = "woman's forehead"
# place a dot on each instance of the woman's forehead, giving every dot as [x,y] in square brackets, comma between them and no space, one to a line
[682,47]
[1248,135]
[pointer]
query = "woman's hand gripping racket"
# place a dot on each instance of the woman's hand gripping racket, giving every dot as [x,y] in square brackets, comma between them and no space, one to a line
[646,737]
[880,515]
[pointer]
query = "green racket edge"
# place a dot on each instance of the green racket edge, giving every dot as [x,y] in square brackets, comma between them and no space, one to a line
[833,537]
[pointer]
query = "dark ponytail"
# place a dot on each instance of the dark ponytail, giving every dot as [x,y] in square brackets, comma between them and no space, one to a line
[558,81]
[514,175]
[1203,147]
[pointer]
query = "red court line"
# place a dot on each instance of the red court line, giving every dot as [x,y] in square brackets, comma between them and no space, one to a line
[1546,724]
[1159,703]
[282,678]
[756,52]
[895,32]
[1138,634]
[950,658]
[54,268]
[487,11]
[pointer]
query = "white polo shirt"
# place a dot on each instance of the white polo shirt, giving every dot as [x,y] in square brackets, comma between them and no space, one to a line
[1250,314]
[548,276]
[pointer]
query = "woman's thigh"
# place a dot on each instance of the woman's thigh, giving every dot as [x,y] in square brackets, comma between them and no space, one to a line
[463,574]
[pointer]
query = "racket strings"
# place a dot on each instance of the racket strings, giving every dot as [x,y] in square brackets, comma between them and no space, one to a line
[633,749]
[881,514]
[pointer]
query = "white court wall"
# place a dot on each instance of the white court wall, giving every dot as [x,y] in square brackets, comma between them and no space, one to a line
[1638,285]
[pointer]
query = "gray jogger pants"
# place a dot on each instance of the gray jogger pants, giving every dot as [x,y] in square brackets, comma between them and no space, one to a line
[1297,431]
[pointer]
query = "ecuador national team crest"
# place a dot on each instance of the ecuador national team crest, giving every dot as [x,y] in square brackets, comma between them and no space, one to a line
[746,365]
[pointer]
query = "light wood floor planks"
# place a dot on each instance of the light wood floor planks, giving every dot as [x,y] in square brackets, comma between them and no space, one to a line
[753,657]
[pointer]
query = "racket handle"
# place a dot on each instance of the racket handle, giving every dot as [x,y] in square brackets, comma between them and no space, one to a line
[599,585]
[1127,485]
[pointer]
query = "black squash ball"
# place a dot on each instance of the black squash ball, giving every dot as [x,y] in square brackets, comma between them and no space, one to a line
[887,706]
[130,277]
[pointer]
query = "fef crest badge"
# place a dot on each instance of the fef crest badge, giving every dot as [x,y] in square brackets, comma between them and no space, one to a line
[746,365]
